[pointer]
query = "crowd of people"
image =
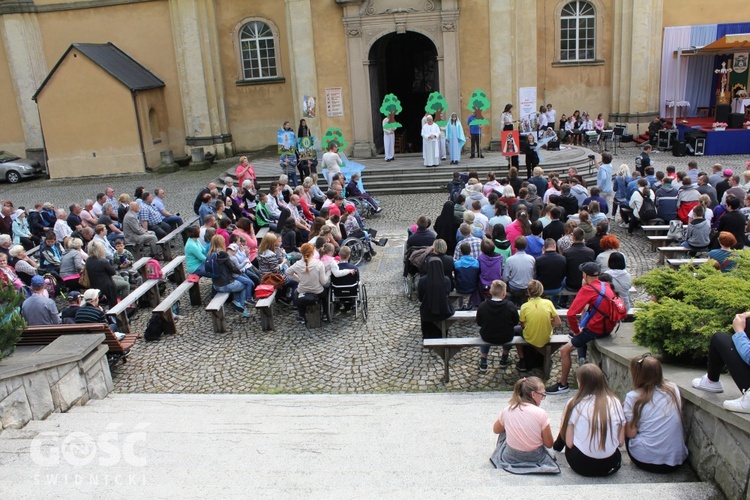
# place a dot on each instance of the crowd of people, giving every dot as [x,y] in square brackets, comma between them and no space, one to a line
[301,252]
[530,244]
[87,251]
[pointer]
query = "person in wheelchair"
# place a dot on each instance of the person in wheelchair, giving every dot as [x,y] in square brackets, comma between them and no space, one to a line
[352,189]
[345,275]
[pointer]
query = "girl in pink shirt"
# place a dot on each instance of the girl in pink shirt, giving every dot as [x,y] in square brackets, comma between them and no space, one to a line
[525,433]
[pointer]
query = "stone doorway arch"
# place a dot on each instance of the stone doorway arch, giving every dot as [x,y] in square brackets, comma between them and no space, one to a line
[365,23]
[405,65]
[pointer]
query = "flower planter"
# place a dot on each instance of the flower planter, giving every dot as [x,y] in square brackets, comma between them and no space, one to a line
[719,129]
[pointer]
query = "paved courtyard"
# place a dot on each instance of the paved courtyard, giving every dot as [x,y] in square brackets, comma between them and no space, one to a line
[346,356]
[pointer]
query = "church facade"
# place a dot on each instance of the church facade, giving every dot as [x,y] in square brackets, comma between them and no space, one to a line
[234,70]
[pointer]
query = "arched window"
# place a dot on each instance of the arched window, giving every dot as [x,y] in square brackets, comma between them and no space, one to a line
[578,32]
[257,44]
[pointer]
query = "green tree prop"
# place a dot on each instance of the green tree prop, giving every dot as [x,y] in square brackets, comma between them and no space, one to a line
[391,107]
[437,105]
[334,134]
[478,103]
[692,305]
[12,322]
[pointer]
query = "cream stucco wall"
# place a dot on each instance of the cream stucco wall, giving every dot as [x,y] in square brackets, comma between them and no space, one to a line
[140,30]
[254,112]
[11,131]
[146,101]
[89,121]
[571,87]
[692,12]
[474,60]
[330,41]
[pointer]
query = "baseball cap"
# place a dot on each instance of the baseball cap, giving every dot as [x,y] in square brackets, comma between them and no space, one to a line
[37,282]
[728,172]
[90,294]
[234,247]
[73,296]
[590,268]
[350,209]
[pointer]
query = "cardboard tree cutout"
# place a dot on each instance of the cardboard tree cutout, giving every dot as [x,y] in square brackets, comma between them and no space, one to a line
[334,134]
[479,103]
[437,106]
[391,107]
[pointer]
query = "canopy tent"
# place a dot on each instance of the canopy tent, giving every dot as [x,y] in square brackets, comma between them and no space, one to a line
[727,44]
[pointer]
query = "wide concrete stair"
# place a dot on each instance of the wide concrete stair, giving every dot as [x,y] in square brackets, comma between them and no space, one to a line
[408,175]
[319,446]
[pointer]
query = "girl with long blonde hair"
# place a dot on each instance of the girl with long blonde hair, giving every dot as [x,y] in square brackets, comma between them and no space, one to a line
[593,426]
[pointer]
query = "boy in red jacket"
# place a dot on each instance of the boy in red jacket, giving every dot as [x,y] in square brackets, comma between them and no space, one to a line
[595,328]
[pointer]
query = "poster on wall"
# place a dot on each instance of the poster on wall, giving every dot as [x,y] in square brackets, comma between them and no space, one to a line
[285,142]
[526,103]
[510,140]
[308,106]
[334,102]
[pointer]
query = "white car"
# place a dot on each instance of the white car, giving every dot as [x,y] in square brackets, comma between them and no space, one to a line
[13,168]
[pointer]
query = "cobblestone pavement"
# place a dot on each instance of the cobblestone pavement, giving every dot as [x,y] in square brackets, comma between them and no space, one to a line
[346,356]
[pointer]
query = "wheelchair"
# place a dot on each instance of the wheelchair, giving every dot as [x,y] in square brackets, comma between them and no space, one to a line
[411,272]
[360,243]
[353,294]
[363,207]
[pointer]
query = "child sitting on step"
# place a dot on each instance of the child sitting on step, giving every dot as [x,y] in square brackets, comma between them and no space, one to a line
[525,432]
[593,426]
[653,432]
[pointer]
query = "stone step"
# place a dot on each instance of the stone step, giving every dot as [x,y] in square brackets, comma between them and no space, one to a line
[312,445]
[408,175]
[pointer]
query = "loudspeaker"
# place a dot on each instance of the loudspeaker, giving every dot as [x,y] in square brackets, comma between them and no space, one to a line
[679,147]
[736,120]
[722,112]
[695,145]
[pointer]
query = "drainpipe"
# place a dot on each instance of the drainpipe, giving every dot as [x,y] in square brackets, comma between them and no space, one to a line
[140,135]
[676,89]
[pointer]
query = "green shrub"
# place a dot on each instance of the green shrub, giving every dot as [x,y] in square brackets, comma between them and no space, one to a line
[691,305]
[12,322]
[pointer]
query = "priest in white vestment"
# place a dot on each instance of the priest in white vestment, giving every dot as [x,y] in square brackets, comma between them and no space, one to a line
[431,148]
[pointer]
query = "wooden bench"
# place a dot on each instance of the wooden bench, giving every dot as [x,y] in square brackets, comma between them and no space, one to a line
[265,309]
[447,348]
[675,263]
[165,307]
[46,334]
[657,241]
[658,230]
[216,308]
[261,233]
[148,287]
[674,252]
[165,243]
[461,298]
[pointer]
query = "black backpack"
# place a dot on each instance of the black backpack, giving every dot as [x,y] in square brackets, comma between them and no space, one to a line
[455,189]
[648,209]
[212,268]
[154,328]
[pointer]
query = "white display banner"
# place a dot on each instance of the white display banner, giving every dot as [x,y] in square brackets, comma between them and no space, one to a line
[526,102]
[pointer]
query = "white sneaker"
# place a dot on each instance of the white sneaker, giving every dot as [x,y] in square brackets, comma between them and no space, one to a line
[740,405]
[706,385]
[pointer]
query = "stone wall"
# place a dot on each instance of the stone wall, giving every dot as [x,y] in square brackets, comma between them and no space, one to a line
[68,372]
[718,440]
